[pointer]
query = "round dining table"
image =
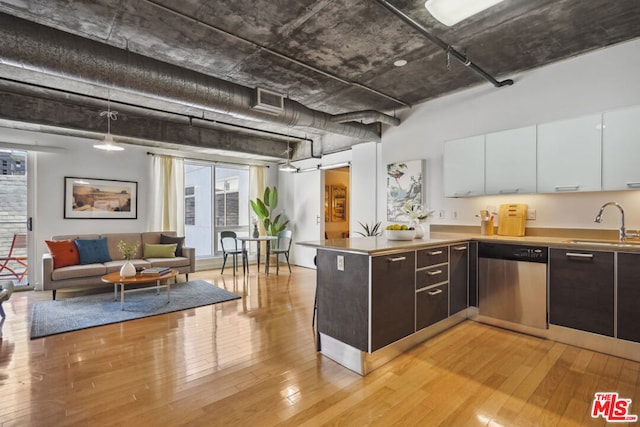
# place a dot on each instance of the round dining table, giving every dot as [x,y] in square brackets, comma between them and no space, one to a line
[267,239]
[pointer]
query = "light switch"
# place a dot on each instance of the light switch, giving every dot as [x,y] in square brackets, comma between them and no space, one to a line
[340,262]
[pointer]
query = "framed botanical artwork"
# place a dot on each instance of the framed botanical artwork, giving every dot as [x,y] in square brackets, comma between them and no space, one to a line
[91,198]
[404,184]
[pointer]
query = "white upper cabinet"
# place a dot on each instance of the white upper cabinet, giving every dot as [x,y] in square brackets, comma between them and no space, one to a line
[464,167]
[570,155]
[621,150]
[510,166]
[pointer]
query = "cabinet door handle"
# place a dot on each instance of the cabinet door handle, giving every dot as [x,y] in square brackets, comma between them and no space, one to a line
[436,292]
[462,193]
[633,184]
[435,253]
[434,273]
[577,255]
[460,248]
[396,259]
[509,191]
[567,187]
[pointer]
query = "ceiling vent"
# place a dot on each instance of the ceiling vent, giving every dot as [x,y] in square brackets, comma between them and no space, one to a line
[268,102]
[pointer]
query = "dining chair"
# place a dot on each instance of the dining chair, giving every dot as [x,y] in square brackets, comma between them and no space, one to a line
[19,242]
[283,245]
[229,242]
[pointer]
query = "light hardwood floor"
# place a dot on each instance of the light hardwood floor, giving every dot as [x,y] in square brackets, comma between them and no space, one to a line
[252,362]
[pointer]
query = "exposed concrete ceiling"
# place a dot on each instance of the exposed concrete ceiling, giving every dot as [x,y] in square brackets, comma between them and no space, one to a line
[328,57]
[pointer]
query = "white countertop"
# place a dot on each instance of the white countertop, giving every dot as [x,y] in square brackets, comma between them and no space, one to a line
[380,244]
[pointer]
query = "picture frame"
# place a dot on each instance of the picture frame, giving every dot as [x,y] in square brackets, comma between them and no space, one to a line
[94,198]
[338,203]
[405,183]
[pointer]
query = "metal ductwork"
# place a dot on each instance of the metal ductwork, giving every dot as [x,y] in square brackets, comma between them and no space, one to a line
[39,48]
[366,116]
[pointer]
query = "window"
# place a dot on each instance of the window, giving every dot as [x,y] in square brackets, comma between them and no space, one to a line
[190,205]
[216,199]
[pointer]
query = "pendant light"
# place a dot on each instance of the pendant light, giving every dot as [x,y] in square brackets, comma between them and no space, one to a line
[108,144]
[288,167]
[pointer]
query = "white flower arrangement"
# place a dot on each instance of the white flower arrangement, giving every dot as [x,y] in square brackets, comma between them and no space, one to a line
[416,211]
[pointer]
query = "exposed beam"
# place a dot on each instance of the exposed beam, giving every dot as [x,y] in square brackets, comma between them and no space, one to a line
[76,115]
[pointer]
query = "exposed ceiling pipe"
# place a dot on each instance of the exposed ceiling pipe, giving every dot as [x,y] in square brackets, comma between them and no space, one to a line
[39,48]
[450,50]
[366,116]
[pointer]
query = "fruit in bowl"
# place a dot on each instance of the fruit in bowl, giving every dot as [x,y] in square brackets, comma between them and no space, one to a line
[400,232]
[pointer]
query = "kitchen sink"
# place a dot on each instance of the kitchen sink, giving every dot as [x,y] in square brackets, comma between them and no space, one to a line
[625,243]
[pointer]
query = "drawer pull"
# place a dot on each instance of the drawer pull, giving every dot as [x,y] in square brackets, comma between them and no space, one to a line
[396,259]
[509,191]
[460,248]
[434,273]
[567,187]
[436,292]
[435,253]
[633,184]
[573,254]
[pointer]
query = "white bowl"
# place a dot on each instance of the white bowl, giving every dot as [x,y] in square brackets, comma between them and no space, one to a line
[400,234]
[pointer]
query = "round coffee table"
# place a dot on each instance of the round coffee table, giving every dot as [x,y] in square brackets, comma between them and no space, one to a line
[138,279]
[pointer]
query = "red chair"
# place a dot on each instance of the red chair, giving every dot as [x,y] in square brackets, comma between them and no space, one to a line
[19,242]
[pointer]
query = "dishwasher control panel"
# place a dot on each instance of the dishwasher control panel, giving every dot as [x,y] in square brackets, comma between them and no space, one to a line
[525,253]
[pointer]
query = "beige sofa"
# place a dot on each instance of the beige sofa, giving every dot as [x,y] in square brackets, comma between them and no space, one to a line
[90,274]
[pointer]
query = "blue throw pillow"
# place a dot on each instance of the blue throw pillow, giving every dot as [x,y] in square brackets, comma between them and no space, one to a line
[92,251]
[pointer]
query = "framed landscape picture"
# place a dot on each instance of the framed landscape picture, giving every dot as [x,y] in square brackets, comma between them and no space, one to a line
[91,198]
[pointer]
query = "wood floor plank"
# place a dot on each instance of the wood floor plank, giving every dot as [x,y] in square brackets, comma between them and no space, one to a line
[253,362]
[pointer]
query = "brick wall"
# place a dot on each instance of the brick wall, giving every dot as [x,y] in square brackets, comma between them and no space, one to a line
[13,210]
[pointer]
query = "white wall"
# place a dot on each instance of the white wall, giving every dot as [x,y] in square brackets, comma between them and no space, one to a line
[363,200]
[599,81]
[80,159]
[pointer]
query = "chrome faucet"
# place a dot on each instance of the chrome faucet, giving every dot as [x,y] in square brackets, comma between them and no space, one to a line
[623,231]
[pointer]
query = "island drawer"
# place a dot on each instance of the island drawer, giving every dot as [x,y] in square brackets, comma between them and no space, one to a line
[431,276]
[432,256]
[432,305]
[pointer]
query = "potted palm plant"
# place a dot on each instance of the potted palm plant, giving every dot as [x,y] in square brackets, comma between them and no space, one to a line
[265,208]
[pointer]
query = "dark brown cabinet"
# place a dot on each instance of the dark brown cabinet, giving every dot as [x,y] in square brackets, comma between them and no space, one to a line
[473,274]
[629,296]
[432,305]
[581,290]
[343,298]
[392,298]
[458,277]
[432,286]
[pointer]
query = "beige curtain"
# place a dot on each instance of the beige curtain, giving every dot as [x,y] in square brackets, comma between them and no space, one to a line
[256,189]
[167,194]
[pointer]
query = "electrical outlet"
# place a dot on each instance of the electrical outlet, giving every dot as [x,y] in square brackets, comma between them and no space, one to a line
[531,214]
[340,262]
[441,215]
[454,215]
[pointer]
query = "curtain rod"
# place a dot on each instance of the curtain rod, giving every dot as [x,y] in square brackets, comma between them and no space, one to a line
[149,153]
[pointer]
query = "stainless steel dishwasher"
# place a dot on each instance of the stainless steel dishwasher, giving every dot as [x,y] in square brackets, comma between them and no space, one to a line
[512,283]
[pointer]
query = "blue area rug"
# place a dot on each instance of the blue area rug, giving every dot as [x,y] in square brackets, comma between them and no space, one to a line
[55,317]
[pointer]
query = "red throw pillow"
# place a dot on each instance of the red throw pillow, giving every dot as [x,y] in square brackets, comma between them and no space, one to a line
[64,252]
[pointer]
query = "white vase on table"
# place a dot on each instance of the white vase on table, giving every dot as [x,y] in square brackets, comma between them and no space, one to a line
[127,269]
[418,228]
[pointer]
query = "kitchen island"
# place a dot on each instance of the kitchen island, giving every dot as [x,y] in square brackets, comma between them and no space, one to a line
[377,298]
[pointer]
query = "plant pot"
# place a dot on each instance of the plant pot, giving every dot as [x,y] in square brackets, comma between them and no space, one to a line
[127,269]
